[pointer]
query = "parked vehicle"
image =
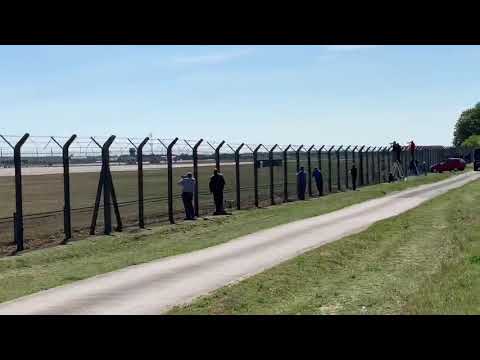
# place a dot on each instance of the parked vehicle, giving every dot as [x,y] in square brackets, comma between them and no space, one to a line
[476,159]
[449,165]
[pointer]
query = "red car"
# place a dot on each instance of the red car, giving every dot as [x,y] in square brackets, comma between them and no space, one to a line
[449,165]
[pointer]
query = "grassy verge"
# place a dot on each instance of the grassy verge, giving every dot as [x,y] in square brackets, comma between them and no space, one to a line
[47,268]
[426,261]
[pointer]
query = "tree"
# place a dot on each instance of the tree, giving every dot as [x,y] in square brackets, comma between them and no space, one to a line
[472,142]
[467,125]
[133,152]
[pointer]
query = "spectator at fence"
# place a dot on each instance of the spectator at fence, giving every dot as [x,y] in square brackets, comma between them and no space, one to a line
[301,183]
[188,188]
[412,149]
[424,168]
[353,173]
[397,151]
[217,184]
[317,175]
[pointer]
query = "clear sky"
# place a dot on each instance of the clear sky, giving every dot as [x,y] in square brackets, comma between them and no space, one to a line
[270,94]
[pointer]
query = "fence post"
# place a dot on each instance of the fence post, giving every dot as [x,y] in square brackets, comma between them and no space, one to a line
[354,161]
[346,166]
[360,158]
[141,198]
[67,218]
[329,155]
[170,180]
[384,162]
[255,173]
[18,191]
[217,155]
[18,215]
[285,174]
[373,164]
[367,167]
[309,166]
[319,154]
[141,217]
[237,173]
[107,215]
[195,174]
[297,154]
[389,158]
[339,185]
[379,169]
[270,158]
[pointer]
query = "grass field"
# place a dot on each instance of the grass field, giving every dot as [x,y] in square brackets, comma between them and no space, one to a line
[43,198]
[46,268]
[426,261]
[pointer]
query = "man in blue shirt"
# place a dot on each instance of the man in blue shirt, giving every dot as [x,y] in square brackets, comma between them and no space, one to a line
[188,188]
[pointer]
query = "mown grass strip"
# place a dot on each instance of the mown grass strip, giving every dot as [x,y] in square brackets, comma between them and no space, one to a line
[425,261]
[47,268]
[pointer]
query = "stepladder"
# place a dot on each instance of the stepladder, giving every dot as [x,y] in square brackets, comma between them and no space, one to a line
[397,171]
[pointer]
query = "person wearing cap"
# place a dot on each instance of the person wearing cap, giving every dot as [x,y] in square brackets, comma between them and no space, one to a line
[188,188]
[216,185]
[397,151]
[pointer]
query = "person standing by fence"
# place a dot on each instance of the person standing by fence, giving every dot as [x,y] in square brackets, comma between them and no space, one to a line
[217,184]
[301,183]
[353,173]
[188,188]
[317,175]
[412,150]
[397,151]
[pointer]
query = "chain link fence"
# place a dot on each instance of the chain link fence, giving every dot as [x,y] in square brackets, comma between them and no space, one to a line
[54,189]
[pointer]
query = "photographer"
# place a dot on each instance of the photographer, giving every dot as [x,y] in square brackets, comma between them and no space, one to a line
[188,187]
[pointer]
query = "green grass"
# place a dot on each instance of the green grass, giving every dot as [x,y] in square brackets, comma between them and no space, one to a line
[47,268]
[425,261]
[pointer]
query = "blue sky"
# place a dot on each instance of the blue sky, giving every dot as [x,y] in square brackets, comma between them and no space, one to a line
[285,94]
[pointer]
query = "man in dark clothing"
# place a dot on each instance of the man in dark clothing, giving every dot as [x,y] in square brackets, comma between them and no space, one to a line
[317,175]
[412,150]
[217,183]
[353,172]
[301,183]
[397,151]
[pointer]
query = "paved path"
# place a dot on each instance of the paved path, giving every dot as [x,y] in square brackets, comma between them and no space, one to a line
[155,287]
